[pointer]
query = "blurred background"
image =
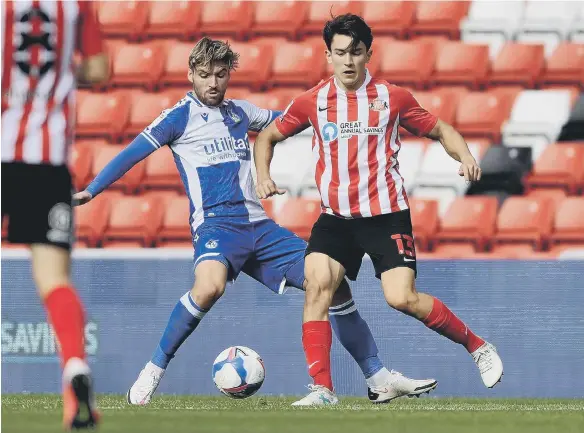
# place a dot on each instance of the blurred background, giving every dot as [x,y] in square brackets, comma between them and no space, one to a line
[509,75]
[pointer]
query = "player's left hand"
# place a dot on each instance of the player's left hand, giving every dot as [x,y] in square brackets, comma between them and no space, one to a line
[470,170]
[267,188]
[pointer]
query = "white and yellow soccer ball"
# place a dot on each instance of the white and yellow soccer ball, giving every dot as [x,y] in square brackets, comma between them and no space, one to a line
[238,372]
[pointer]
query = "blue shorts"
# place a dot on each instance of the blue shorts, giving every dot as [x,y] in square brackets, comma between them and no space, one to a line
[265,251]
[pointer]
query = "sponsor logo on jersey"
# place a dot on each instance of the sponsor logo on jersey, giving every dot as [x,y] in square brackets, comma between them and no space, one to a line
[378,105]
[331,131]
[227,148]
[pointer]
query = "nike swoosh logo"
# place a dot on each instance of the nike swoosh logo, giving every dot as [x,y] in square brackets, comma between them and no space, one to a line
[323,109]
[314,363]
[409,260]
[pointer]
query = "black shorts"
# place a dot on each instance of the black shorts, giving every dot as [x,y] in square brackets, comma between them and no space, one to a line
[37,201]
[387,239]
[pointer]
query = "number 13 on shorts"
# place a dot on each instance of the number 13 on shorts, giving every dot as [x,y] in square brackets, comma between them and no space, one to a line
[405,245]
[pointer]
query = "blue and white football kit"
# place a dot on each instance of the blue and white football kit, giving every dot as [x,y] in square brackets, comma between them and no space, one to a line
[211,151]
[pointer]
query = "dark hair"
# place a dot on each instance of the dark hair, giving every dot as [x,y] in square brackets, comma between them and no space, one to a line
[208,51]
[349,25]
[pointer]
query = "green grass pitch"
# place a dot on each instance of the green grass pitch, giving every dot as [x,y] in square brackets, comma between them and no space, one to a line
[178,414]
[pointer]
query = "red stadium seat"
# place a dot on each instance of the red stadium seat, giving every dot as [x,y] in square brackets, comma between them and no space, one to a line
[525,220]
[81,160]
[482,114]
[128,182]
[231,18]
[103,115]
[277,18]
[299,63]
[91,219]
[175,223]
[255,64]
[122,18]
[320,12]
[176,65]
[425,220]
[517,252]
[138,65]
[146,107]
[469,219]
[453,251]
[160,172]
[559,165]
[439,18]
[557,195]
[407,63]
[569,221]
[299,215]
[517,64]
[441,103]
[461,64]
[133,220]
[179,19]
[237,93]
[565,66]
[389,18]
[276,99]
[176,244]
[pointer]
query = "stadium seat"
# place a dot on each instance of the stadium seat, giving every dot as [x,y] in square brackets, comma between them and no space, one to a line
[160,172]
[424,215]
[495,41]
[492,17]
[410,157]
[276,18]
[469,220]
[299,63]
[255,64]
[176,64]
[407,63]
[237,93]
[517,252]
[569,221]
[563,251]
[441,103]
[517,64]
[481,114]
[453,251]
[138,65]
[565,66]
[133,220]
[299,215]
[557,195]
[173,19]
[175,222]
[439,18]
[231,18]
[577,28]
[103,115]
[319,13]
[461,64]
[292,161]
[91,219]
[146,107]
[538,113]
[389,18]
[524,220]
[560,165]
[128,182]
[80,161]
[188,245]
[268,206]
[276,99]
[552,17]
[122,18]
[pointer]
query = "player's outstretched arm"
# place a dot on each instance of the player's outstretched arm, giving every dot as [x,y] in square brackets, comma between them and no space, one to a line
[135,152]
[457,148]
[263,154]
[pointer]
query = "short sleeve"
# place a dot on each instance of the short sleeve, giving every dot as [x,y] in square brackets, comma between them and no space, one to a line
[259,118]
[296,117]
[89,40]
[169,126]
[412,116]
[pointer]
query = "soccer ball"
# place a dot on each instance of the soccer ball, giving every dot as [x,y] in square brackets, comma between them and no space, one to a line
[238,372]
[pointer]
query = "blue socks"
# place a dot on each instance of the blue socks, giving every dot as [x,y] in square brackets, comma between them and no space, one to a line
[355,336]
[182,322]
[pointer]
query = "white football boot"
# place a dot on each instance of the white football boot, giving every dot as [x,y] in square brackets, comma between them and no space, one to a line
[489,363]
[145,386]
[397,386]
[319,396]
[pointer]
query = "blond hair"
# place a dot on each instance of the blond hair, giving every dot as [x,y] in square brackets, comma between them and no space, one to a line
[209,51]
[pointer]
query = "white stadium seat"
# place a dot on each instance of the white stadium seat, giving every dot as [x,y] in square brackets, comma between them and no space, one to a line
[410,158]
[292,160]
[494,41]
[538,113]
[549,17]
[493,17]
[577,27]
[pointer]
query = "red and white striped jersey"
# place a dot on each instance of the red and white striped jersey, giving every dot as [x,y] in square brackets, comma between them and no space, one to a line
[38,81]
[356,143]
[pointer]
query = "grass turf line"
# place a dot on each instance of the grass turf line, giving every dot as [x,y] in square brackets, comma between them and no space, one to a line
[42,413]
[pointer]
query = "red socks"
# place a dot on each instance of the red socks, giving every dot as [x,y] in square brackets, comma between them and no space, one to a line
[445,323]
[66,315]
[317,339]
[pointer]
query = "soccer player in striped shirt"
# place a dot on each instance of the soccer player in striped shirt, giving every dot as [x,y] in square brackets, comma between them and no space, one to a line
[208,136]
[365,208]
[38,92]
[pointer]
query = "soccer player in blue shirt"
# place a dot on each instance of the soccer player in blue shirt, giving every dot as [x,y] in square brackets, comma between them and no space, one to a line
[208,136]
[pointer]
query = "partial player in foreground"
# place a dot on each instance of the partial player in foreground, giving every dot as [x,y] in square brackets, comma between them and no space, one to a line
[365,208]
[38,87]
[208,137]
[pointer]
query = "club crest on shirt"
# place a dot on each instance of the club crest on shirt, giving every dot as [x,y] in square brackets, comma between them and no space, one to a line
[378,105]
[233,115]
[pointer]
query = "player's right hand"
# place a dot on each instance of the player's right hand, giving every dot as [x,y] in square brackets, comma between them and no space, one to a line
[267,188]
[81,197]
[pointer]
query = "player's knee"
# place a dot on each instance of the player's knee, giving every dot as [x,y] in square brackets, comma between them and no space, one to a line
[206,292]
[403,299]
[319,289]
